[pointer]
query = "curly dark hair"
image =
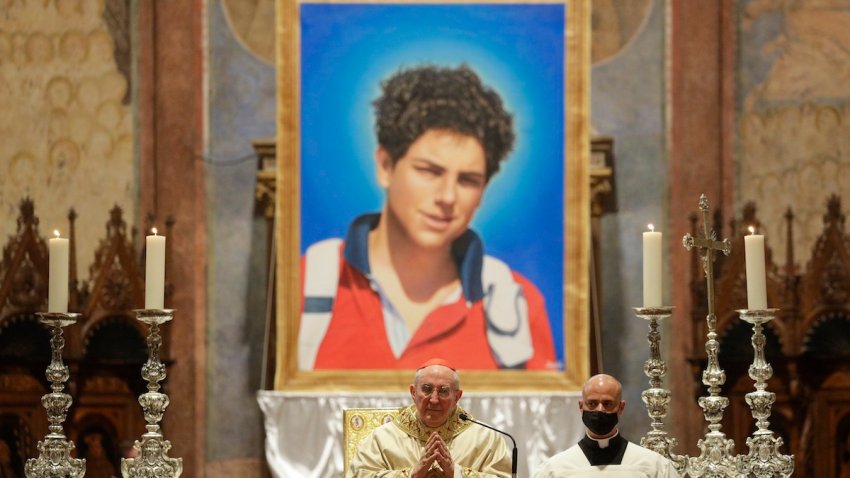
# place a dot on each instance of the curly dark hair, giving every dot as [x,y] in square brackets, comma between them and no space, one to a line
[430,97]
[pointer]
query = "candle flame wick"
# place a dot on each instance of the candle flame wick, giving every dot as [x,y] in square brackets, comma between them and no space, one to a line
[153,230]
[651,227]
[752,230]
[56,233]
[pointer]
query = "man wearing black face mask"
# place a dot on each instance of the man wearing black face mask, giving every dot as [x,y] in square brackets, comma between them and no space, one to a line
[603,451]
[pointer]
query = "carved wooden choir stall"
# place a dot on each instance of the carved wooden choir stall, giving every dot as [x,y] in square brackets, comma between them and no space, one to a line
[808,343]
[104,350]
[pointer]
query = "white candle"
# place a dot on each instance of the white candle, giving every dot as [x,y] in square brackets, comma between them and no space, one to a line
[651,268]
[57,292]
[154,271]
[756,284]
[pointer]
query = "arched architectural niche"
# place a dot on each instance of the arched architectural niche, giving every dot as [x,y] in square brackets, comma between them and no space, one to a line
[115,338]
[736,342]
[827,348]
[828,336]
[113,352]
[24,352]
[22,336]
[97,442]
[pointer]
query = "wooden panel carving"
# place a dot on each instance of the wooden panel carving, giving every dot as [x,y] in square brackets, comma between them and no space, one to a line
[104,350]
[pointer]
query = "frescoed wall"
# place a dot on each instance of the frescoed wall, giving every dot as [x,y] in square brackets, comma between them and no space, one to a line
[241,109]
[67,116]
[627,103]
[793,113]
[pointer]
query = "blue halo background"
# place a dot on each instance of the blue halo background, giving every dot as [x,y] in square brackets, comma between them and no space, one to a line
[518,50]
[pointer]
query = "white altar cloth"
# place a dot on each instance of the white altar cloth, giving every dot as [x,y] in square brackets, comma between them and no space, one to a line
[304,429]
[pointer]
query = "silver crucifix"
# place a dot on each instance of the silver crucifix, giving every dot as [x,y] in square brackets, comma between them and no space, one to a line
[708,243]
[715,449]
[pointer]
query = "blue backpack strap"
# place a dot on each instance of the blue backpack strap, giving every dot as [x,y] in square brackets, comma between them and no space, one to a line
[508,330]
[321,278]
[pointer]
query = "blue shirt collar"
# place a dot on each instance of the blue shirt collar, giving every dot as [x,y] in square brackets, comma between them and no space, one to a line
[467,251]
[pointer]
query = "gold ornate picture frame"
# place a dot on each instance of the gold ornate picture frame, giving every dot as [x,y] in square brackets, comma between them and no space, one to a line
[573,249]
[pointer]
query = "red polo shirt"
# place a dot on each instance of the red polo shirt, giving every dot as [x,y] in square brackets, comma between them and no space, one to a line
[356,337]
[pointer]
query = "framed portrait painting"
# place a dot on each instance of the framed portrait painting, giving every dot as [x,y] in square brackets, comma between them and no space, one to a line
[432,193]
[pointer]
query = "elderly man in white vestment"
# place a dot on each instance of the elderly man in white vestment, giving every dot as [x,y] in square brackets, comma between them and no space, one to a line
[428,439]
[603,451]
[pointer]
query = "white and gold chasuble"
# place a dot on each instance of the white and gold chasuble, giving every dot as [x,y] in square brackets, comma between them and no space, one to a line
[394,448]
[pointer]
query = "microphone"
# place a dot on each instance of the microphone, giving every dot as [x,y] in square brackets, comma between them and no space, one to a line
[466,418]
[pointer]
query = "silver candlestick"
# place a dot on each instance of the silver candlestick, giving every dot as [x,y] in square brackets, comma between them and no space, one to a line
[54,459]
[715,458]
[764,459]
[657,399]
[153,460]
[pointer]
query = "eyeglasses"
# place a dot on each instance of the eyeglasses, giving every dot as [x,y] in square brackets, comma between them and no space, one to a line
[443,392]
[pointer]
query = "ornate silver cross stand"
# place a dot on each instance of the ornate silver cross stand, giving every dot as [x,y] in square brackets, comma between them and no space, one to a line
[54,459]
[153,460]
[657,399]
[715,458]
